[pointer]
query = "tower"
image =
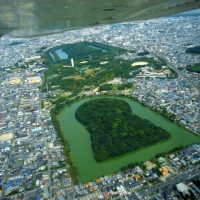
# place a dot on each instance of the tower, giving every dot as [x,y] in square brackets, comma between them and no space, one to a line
[72,62]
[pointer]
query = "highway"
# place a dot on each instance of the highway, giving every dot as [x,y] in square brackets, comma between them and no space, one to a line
[48,160]
[189,81]
[170,65]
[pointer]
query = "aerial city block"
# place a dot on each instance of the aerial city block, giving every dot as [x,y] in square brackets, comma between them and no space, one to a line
[102,112]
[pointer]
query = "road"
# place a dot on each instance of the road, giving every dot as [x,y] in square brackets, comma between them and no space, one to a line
[170,182]
[48,162]
[170,65]
[180,74]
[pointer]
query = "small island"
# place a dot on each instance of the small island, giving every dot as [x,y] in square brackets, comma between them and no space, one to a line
[114,129]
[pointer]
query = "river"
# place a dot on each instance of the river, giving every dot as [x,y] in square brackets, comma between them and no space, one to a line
[80,144]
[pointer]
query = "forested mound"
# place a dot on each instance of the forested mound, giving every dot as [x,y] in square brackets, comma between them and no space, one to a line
[114,129]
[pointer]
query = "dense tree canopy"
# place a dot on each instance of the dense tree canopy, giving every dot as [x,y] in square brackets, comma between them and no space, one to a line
[193,50]
[194,67]
[113,128]
[95,65]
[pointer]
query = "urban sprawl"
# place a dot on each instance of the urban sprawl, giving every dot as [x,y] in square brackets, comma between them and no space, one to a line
[32,162]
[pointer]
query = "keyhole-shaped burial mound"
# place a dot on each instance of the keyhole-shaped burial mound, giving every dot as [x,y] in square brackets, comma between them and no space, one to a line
[114,129]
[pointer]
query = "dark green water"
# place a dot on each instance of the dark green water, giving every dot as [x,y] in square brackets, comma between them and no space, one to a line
[79,141]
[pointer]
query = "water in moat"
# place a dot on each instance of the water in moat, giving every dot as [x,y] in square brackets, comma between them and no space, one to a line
[80,144]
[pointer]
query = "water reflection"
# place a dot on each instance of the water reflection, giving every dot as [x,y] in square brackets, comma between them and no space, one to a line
[31,17]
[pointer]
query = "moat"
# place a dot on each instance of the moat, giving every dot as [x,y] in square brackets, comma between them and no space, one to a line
[80,143]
